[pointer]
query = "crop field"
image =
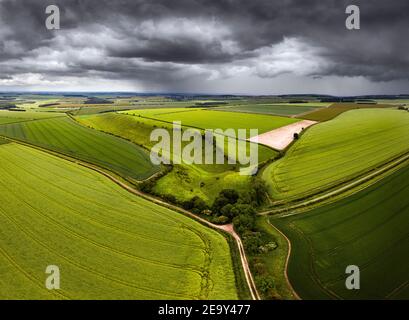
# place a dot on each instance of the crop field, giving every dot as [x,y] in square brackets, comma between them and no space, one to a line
[336,109]
[28,115]
[369,229]
[274,109]
[64,135]
[108,243]
[37,103]
[335,151]
[99,109]
[210,119]
[280,138]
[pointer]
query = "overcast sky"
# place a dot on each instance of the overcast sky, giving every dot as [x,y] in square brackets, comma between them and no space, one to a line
[202,46]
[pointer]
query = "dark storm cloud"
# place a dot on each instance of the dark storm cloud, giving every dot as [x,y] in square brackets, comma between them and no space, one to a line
[162,40]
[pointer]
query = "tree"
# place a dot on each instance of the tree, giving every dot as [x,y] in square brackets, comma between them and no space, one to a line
[196,205]
[243,223]
[226,196]
[266,285]
[259,189]
[230,194]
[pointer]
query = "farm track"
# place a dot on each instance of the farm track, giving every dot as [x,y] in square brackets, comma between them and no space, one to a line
[225,228]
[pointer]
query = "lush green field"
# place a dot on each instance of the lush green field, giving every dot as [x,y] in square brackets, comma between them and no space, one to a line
[338,150]
[210,119]
[4,120]
[64,135]
[369,229]
[336,109]
[36,103]
[314,104]
[274,109]
[108,243]
[27,115]
[99,109]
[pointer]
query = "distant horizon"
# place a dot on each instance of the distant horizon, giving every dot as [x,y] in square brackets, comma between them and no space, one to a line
[46,92]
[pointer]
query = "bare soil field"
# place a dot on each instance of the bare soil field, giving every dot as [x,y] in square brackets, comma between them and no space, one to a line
[280,138]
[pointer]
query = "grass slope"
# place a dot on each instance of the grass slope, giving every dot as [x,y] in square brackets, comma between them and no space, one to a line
[64,135]
[369,229]
[108,243]
[338,150]
[184,181]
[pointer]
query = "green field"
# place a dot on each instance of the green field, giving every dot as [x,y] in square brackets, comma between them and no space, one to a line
[338,150]
[64,135]
[369,229]
[336,109]
[210,119]
[274,109]
[27,115]
[108,243]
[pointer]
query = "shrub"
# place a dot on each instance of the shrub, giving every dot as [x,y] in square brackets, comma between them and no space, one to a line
[196,205]
[221,220]
[207,212]
[267,247]
[260,268]
[243,223]
[169,198]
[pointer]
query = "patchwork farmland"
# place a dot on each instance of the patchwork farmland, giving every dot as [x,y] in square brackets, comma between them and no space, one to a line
[79,190]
